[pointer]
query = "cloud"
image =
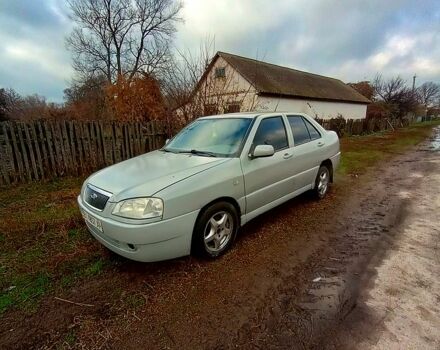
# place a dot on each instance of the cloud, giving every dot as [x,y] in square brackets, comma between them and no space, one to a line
[351,40]
[398,55]
[33,55]
[348,39]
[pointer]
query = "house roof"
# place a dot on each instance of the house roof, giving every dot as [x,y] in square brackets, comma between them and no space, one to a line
[271,79]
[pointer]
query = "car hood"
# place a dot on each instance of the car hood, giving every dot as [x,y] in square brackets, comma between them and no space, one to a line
[149,173]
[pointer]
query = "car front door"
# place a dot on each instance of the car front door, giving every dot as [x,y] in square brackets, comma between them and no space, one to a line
[306,149]
[268,178]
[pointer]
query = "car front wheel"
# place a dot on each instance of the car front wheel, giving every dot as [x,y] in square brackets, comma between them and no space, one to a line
[215,230]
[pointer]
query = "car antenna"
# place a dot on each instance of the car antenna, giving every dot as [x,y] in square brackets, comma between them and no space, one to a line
[278,102]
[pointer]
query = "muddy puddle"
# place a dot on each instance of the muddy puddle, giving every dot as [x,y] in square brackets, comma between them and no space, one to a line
[434,142]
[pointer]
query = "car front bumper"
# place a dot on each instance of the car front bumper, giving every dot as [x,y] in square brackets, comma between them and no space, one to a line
[161,240]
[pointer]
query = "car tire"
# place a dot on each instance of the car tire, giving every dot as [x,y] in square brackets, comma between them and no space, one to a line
[322,182]
[215,230]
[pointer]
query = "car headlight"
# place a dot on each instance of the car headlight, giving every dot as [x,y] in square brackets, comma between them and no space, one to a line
[139,208]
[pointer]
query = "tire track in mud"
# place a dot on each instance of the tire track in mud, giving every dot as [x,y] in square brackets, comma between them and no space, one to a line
[314,297]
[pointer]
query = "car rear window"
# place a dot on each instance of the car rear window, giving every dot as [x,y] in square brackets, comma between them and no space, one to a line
[299,130]
[314,133]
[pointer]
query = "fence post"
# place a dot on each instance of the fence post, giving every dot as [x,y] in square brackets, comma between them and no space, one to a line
[11,174]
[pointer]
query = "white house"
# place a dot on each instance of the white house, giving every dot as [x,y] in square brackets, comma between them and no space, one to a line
[233,83]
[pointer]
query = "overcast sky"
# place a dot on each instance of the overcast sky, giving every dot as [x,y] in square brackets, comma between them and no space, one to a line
[347,39]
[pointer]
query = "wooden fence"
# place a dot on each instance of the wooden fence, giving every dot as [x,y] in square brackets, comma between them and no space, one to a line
[361,126]
[46,149]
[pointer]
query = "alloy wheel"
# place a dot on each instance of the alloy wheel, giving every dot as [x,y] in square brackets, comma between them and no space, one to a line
[218,231]
[323,181]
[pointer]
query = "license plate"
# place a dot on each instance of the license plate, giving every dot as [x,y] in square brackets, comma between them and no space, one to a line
[92,220]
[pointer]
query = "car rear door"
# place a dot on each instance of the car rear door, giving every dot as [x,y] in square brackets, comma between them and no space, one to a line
[307,143]
[268,178]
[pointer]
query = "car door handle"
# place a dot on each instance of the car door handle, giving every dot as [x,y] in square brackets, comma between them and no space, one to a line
[287,155]
[320,144]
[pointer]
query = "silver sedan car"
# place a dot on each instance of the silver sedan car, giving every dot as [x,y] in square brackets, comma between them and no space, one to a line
[215,175]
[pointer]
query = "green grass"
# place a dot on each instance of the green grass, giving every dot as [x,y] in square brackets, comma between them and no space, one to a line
[31,255]
[45,246]
[354,161]
[95,268]
[69,339]
[24,291]
[133,301]
[359,153]
[73,271]
[73,233]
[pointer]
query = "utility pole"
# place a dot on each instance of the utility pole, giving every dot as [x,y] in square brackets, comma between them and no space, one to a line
[414,82]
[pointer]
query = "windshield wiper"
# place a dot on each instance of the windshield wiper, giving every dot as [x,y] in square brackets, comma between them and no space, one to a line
[200,153]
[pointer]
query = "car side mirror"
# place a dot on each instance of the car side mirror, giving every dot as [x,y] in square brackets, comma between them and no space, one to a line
[263,151]
[166,141]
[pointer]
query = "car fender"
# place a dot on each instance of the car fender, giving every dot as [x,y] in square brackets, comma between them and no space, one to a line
[193,193]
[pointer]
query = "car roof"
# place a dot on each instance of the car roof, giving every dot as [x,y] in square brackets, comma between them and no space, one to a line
[233,115]
[248,114]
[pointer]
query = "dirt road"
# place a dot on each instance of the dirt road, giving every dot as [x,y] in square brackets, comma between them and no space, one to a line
[357,270]
[399,303]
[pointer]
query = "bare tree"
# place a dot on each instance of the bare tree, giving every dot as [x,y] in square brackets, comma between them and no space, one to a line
[181,79]
[428,93]
[390,90]
[15,106]
[112,38]
[193,89]
[12,104]
[3,105]
[398,98]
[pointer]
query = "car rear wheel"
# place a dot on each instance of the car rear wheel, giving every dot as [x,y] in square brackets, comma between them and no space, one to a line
[322,182]
[215,230]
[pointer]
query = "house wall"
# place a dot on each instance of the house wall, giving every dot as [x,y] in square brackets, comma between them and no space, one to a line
[317,109]
[233,88]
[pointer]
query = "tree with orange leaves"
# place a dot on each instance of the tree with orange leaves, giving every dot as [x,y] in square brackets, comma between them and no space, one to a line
[136,99]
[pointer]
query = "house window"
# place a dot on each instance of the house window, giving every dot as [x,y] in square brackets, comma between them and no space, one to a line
[220,72]
[211,109]
[233,107]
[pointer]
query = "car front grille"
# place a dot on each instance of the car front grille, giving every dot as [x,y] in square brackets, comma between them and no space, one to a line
[95,198]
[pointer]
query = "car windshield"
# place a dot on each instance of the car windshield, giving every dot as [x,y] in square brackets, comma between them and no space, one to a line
[219,137]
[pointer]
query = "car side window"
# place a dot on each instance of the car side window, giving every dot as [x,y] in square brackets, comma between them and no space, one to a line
[314,133]
[299,130]
[271,131]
